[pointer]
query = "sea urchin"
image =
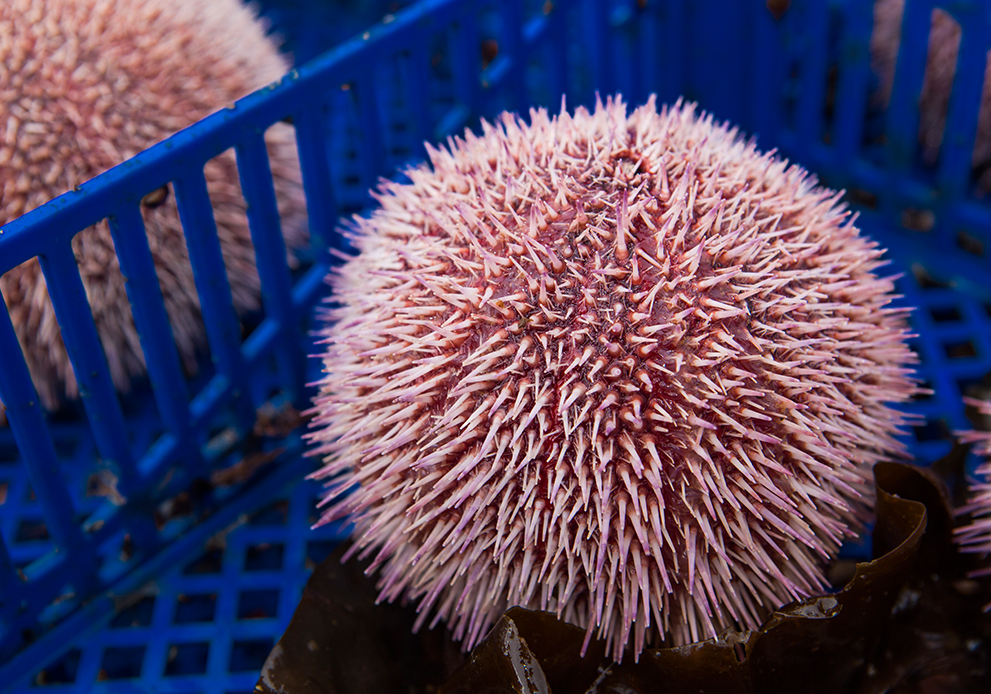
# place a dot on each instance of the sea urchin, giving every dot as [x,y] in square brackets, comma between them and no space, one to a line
[975,537]
[624,368]
[86,84]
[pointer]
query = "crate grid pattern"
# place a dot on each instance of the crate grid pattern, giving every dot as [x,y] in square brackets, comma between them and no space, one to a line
[212,619]
[369,118]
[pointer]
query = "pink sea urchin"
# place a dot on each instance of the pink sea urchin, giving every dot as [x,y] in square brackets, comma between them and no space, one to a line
[975,537]
[86,84]
[620,367]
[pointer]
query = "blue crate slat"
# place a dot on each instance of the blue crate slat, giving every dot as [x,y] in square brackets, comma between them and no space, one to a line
[671,42]
[853,85]
[902,115]
[369,113]
[953,175]
[270,257]
[513,56]
[556,58]
[596,23]
[213,288]
[464,51]
[33,439]
[417,76]
[82,343]
[8,574]
[812,89]
[317,186]
[152,322]
[768,54]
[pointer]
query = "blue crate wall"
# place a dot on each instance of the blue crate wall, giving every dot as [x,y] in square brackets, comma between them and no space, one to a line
[359,112]
[307,28]
[815,104]
[90,512]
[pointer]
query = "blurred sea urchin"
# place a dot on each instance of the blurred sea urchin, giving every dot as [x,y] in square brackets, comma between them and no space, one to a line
[975,536]
[621,367]
[86,84]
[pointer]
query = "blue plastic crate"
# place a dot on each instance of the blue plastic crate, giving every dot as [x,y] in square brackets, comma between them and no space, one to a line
[123,567]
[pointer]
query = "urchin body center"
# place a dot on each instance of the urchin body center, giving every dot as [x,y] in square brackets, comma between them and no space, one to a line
[586,319]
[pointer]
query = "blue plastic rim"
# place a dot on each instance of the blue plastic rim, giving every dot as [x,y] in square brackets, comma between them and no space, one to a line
[104,508]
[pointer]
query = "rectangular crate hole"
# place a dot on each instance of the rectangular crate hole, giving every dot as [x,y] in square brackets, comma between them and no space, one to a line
[62,671]
[274,514]
[919,220]
[945,314]
[65,447]
[195,608]
[927,386]
[963,349]
[971,387]
[970,243]
[137,615]
[249,656]
[3,493]
[263,557]
[927,281]
[863,198]
[932,431]
[121,663]
[31,530]
[211,562]
[187,659]
[9,453]
[258,604]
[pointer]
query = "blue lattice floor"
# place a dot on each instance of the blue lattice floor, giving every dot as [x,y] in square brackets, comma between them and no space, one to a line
[208,625]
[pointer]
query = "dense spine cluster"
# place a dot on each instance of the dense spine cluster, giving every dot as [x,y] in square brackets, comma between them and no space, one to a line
[975,537]
[87,84]
[622,367]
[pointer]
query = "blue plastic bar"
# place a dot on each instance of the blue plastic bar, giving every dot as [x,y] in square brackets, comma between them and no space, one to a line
[668,53]
[8,575]
[366,91]
[416,72]
[96,389]
[35,446]
[645,54]
[317,185]
[770,62]
[812,81]
[534,39]
[599,51]
[850,104]
[214,290]
[152,322]
[463,45]
[902,126]
[957,147]
[514,83]
[624,25]
[556,52]
[270,256]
